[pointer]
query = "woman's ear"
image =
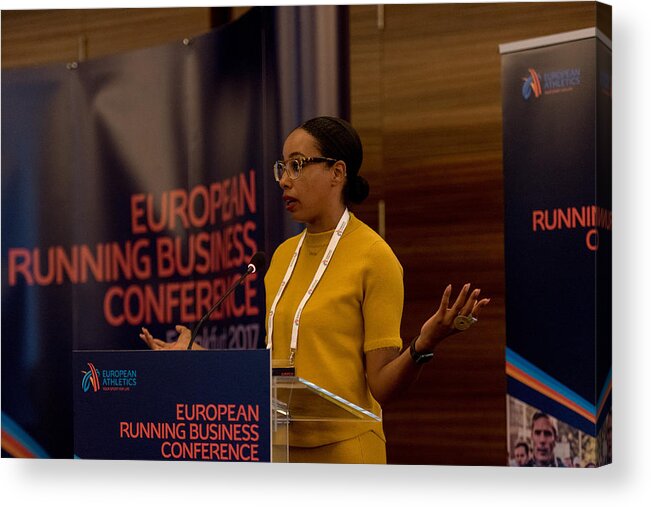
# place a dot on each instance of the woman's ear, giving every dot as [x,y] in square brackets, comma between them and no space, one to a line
[338,172]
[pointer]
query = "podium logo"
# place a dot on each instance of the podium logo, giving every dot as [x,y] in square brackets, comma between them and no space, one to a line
[108,380]
[90,379]
[548,83]
[531,85]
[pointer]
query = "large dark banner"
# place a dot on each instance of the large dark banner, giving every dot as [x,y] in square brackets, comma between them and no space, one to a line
[557,173]
[135,189]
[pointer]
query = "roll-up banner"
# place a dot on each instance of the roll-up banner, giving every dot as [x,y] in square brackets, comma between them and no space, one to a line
[556,98]
[135,190]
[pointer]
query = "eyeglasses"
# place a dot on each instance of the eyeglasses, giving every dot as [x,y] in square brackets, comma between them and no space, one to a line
[294,166]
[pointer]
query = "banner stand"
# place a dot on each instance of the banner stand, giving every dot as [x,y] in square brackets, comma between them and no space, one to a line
[556,99]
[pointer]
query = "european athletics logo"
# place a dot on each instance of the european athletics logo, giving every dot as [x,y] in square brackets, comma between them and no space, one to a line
[547,83]
[90,379]
[108,380]
[531,84]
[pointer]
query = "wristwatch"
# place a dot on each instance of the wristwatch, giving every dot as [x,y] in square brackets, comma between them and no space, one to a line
[419,357]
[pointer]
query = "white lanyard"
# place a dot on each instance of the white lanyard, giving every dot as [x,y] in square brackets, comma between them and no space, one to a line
[323,265]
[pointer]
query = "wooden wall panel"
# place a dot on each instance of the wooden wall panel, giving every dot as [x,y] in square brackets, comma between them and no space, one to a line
[65,35]
[366,99]
[437,129]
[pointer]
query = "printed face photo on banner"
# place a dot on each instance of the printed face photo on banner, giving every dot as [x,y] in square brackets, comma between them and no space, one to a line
[136,188]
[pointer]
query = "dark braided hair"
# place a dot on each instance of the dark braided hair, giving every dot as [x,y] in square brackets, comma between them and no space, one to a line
[336,138]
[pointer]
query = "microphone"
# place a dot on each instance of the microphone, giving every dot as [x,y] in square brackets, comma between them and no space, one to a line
[256,264]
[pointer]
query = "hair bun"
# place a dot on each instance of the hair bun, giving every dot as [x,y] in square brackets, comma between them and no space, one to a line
[357,189]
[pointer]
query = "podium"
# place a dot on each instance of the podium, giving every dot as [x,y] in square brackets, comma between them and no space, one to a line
[296,400]
[215,405]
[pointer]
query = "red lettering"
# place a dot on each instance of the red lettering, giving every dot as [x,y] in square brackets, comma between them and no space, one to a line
[133,312]
[141,264]
[580,217]
[196,207]
[178,205]
[250,293]
[166,454]
[154,304]
[19,262]
[592,240]
[38,275]
[199,221]
[113,320]
[249,241]
[137,212]
[237,260]
[538,220]
[151,219]
[175,301]
[96,264]
[564,218]
[215,200]
[121,260]
[64,263]
[220,259]
[548,226]
[172,300]
[203,297]
[218,288]
[178,256]
[186,302]
[194,432]
[165,257]
[202,266]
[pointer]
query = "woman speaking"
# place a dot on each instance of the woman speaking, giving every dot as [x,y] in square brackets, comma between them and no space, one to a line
[335,297]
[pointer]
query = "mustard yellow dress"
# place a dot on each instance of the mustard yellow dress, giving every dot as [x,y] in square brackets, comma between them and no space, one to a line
[356,308]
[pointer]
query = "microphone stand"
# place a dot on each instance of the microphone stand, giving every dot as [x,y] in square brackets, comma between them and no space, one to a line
[249,270]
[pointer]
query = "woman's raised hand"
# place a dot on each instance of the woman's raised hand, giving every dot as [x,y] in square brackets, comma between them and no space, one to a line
[442,324]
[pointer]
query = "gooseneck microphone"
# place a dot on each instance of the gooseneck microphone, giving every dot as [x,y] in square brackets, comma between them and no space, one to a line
[256,263]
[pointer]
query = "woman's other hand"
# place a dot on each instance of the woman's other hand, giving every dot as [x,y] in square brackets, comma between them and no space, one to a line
[181,342]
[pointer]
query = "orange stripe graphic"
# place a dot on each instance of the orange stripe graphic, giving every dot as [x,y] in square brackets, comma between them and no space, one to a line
[15,448]
[521,376]
[603,401]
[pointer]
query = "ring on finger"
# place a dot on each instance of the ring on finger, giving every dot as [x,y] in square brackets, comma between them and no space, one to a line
[463,322]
